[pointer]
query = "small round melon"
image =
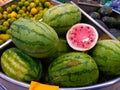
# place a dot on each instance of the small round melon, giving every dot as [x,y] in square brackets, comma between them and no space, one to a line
[82,37]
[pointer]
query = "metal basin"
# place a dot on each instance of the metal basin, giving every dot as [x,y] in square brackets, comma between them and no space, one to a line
[12,84]
[113,84]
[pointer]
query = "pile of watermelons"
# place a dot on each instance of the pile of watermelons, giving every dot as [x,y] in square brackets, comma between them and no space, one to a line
[60,50]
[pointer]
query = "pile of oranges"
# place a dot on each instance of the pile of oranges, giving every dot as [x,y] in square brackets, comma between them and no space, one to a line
[33,9]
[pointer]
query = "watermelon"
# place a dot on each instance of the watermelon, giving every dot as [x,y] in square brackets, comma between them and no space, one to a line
[106,54]
[63,47]
[34,38]
[73,69]
[82,37]
[20,66]
[61,17]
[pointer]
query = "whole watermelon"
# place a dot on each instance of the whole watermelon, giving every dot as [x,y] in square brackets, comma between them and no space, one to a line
[106,53]
[61,17]
[62,48]
[20,66]
[73,69]
[35,38]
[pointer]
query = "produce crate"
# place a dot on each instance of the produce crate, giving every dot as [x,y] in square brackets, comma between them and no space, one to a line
[88,8]
[113,84]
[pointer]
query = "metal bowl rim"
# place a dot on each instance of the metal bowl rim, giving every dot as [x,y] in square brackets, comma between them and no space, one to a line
[100,85]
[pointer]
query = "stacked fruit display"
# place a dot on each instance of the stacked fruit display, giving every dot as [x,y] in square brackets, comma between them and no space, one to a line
[60,50]
[33,9]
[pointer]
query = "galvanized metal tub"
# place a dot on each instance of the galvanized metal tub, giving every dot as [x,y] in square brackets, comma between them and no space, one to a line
[113,84]
[12,84]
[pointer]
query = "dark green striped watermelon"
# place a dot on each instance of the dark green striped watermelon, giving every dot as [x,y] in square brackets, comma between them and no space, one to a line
[35,38]
[61,17]
[20,66]
[73,69]
[106,53]
[62,48]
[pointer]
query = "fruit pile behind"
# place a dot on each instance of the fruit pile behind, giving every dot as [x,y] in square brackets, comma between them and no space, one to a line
[12,11]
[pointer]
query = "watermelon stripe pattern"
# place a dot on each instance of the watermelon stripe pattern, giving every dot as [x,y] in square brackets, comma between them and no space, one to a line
[62,17]
[109,60]
[73,69]
[35,38]
[20,66]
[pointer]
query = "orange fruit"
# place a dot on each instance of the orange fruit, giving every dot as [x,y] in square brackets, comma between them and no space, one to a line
[5,12]
[1,16]
[27,12]
[44,10]
[14,7]
[1,21]
[26,3]
[1,41]
[4,37]
[47,4]
[18,15]
[24,14]
[6,23]
[38,16]
[28,8]
[8,31]
[32,5]
[9,9]
[34,11]
[20,11]
[5,16]
[37,2]
[20,3]
[18,8]
[24,8]
[43,1]
[23,1]
[13,14]
[9,15]
[10,20]
[4,28]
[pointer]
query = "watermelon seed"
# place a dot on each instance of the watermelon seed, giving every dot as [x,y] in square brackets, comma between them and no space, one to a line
[88,27]
[81,27]
[83,45]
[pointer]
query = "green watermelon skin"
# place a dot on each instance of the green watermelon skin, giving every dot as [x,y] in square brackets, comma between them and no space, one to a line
[61,17]
[63,47]
[72,70]
[106,53]
[35,38]
[20,66]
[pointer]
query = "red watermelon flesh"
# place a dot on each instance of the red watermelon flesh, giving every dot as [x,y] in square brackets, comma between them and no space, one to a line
[82,37]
